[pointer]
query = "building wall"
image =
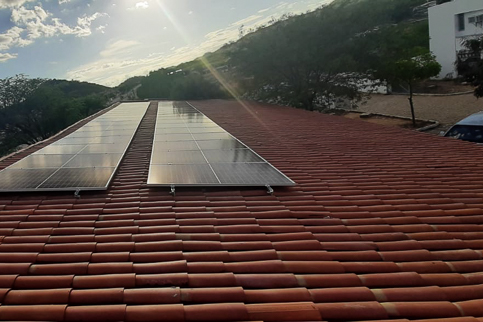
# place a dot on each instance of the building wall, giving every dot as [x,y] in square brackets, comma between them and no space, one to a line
[445,37]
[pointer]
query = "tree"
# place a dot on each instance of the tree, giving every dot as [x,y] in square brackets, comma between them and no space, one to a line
[296,63]
[14,90]
[411,70]
[177,84]
[311,59]
[470,64]
[35,113]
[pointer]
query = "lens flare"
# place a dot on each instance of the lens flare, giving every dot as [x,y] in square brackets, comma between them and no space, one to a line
[219,78]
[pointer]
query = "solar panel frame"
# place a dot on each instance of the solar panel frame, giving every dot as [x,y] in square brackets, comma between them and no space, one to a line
[207,141]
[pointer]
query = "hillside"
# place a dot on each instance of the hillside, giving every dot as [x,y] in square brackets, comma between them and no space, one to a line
[32,110]
[346,36]
[76,89]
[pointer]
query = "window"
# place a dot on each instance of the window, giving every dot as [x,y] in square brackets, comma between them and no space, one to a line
[479,20]
[461,21]
[466,133]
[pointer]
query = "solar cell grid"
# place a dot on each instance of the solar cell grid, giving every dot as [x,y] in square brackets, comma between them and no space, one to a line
[73,140]
[227,144]
[174,130]
[96,134]
[78,177]
[172,125]
[243,173]
[23,179]
[43,161]
[191,174]
[160,147]
[179,157]
[232,156]
[104,148]
[94,160]
[85,159]
[195,151]
[174,137]
[60,149]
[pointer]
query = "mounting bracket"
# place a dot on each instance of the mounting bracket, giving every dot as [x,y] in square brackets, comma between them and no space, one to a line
[269,189]
[173,190]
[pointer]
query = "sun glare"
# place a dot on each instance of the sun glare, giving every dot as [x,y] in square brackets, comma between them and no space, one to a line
[187,39]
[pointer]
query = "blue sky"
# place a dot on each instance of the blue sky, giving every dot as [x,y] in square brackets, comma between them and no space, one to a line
[107,42]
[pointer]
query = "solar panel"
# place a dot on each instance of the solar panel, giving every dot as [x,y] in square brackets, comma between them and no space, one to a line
[227,144]
[42,161]
[23,179]
[80,178]
[232,156]
[189,149]
[189,174]
[85,159]
[248,174]
[160,147]
[60,149]
[94,160]
[179,157]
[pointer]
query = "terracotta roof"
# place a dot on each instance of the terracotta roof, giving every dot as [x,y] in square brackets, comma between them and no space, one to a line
[383,224]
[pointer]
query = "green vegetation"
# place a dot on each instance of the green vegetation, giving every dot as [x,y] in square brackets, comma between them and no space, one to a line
[470,64]
[129,84]
[177,84]
[412,69]
[32,110]
[307,61]
[310,61]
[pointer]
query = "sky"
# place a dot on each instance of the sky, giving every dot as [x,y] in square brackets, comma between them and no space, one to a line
[108,41]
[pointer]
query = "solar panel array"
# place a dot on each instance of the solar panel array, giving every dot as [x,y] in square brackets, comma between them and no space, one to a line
[86,159]
[189,149]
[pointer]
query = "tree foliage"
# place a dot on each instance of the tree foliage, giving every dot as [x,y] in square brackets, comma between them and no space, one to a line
[419,66]
[177,84]
[307,60]
[470,64]
[44,108]
[14,90]
[304,61]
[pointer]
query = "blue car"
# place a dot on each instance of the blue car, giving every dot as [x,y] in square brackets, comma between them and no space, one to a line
[468,129]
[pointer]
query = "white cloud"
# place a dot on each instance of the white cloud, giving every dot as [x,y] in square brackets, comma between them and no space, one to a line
[113,67]
[13,38]
[83,28]
[6,56]
[102,28]
[12,3]
[140,5]
[251,19]
[23,16]
[32,24]
[64,1]
[118,48]
[116,62]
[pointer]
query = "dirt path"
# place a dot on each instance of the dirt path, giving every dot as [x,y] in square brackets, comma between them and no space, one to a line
[445,109]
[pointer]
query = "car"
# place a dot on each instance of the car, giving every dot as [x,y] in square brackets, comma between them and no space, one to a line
[468,129]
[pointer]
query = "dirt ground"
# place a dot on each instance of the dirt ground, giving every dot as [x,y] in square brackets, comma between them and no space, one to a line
[386,120]
[441,87]
[445,109]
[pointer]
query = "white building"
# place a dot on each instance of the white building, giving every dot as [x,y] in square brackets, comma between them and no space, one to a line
[449,24]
